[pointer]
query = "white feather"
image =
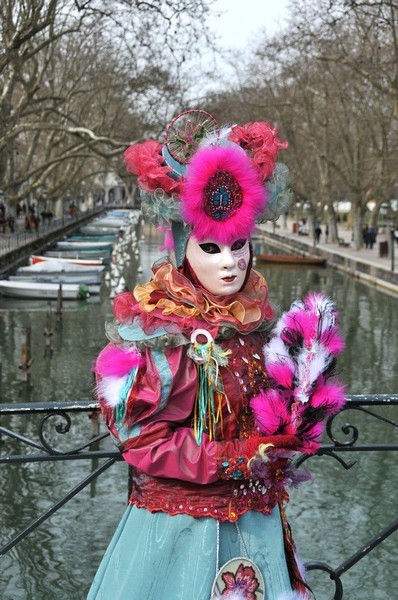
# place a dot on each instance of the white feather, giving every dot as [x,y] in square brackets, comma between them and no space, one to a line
[319,304]
[280,326]
[214,137]
[109,389]
[277,352]
[326,321]
[310,364]
[296,306]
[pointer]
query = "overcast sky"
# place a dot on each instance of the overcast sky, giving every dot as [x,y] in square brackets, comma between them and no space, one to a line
[241,19]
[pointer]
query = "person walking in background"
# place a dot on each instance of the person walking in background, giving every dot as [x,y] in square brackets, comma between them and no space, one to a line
[365,235]
[371,236]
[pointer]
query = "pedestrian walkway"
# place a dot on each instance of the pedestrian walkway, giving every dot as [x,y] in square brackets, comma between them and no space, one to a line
[382,269]
[364,254]
[20,237]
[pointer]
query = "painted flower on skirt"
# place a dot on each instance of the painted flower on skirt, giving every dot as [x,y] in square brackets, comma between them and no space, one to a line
[241,584]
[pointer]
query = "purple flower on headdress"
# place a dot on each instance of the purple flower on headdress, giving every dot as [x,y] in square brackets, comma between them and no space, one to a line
[243,583]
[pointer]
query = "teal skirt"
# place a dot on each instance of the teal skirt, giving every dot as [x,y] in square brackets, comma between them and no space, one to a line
[153,556]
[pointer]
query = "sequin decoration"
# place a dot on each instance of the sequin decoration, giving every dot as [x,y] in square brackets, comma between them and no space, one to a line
[222,196]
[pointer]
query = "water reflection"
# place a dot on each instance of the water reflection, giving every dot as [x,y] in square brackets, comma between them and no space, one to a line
[331,518]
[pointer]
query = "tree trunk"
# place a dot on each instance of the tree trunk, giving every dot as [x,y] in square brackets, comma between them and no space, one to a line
[357,218]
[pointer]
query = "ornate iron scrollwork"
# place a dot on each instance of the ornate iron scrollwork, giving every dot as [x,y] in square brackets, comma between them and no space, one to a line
[59,427]
[346,428]
[334,576]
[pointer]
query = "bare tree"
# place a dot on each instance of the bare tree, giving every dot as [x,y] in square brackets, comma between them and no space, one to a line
[80,79]
[330,85]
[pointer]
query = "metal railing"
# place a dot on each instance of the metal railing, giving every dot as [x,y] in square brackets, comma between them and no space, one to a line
[56,418]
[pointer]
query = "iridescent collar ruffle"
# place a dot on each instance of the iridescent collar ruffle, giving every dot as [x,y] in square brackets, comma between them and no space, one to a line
[170,304]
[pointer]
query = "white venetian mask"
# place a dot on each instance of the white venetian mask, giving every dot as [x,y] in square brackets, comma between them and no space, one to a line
[220,268]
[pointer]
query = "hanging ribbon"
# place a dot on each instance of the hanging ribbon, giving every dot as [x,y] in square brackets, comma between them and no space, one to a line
[210,392]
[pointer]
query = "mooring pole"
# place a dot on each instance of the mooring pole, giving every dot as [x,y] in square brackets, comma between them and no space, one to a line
[48,331]
[26,354]
[59,303]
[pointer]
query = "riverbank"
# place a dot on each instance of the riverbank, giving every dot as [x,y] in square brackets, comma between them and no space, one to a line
[367,264]
[15,248]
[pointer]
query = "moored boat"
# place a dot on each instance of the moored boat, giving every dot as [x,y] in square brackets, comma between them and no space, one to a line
[59,272]
[34,289]
[291,259]
[110,222]
[79,237]
[84,245]
[97,230]
[75,261]
[79,254]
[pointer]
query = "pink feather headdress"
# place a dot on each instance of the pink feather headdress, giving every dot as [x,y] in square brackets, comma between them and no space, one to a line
[222,194]
[217,180]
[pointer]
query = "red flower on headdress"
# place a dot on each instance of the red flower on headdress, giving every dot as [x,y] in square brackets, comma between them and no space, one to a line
[145,160]
[261,141]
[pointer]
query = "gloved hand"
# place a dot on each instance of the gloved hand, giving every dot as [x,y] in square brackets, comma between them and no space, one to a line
[237,458]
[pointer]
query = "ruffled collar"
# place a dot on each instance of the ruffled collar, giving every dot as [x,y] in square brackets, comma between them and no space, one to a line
[169,300]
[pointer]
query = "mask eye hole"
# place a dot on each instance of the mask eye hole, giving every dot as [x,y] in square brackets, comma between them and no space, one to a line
[238,245]
[210,248]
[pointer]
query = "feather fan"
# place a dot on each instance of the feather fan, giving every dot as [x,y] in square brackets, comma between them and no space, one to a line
[299,361]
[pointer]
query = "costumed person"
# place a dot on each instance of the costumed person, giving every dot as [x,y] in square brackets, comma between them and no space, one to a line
[206,396]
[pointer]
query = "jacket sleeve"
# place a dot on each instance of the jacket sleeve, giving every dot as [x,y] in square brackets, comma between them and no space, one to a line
[147,408]
[148,412]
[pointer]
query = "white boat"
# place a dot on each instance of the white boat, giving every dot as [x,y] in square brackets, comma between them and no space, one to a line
[120,212]
[55,271]
[110,222]
[93,230]
[80,254]
[74,261]
[56,265]
[34,289]
[84,245]
[79,237]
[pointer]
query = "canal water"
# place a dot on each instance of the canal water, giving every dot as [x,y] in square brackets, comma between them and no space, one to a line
[331,517]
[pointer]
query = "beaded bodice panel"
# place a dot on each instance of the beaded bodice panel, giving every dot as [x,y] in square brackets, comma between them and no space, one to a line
[243,377]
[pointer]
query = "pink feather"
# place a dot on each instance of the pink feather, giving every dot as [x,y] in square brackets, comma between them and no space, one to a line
[333,341]
[270,411]
[204,164]
[281,373]
[315,432]
[114,362]
[303,322]
[329,396]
